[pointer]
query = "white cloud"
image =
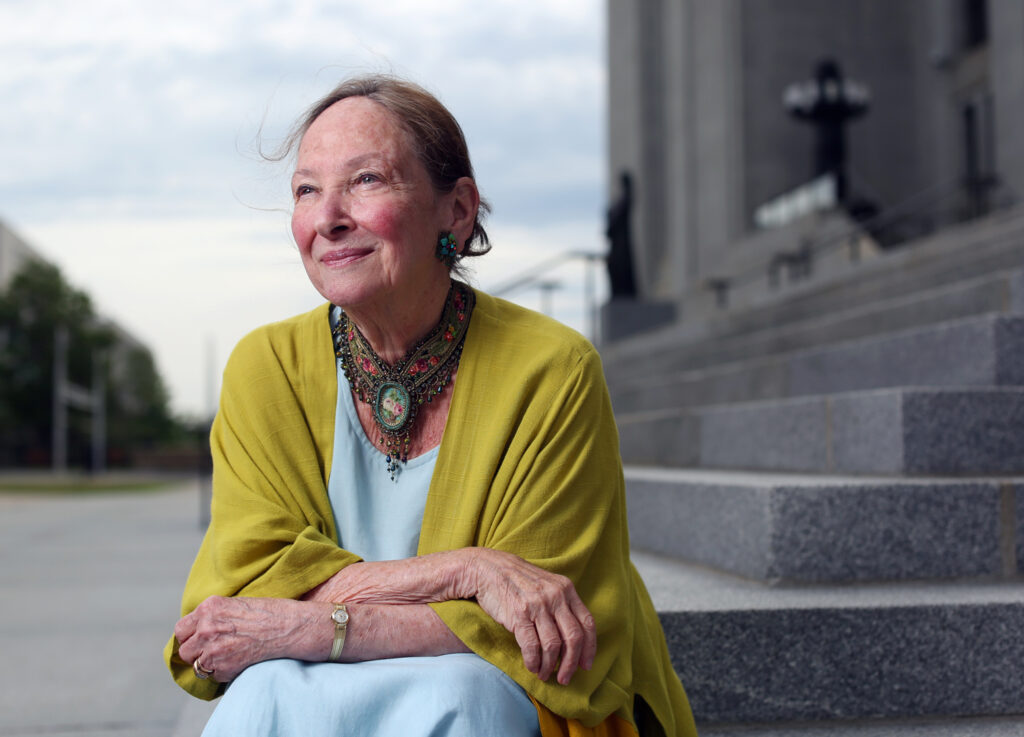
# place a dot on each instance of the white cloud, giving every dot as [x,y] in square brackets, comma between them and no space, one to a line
[129,129]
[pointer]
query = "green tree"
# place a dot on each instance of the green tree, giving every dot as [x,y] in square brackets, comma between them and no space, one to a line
[37,302]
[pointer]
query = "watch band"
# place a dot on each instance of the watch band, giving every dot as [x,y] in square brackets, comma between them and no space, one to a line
[340,618]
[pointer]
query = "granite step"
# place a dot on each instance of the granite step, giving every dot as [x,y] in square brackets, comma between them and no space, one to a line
[776,527]
[978,351]
[754,654]
[965,270]
[1012,726]
[965,252]
[701,345]
[902,431]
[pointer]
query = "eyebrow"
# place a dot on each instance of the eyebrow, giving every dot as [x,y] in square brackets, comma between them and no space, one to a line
[354,162]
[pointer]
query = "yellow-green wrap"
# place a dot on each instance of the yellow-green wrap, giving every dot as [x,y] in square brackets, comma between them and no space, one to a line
[529,463]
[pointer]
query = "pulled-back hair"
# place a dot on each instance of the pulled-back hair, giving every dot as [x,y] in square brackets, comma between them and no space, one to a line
[437,137]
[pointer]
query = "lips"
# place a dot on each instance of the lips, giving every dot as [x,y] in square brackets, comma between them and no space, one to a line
[344,256]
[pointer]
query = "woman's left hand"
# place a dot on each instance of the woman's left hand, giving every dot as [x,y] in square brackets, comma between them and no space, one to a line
[228,635]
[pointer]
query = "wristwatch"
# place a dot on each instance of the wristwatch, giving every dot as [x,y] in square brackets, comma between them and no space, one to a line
[340,618]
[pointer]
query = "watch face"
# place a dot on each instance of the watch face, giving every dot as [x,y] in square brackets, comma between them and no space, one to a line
[340,616]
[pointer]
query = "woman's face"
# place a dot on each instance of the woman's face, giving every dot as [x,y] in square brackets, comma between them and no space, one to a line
[366,217]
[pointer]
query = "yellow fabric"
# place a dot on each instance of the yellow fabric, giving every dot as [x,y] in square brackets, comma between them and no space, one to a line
[529,463]
[552,725]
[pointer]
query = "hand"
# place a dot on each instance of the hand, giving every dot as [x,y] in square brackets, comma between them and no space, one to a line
[230,634]
[542,609]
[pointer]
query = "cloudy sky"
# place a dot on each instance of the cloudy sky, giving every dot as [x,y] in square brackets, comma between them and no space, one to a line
[131,132]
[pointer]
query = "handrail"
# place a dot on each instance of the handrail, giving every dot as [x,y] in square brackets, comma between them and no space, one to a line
[537,275]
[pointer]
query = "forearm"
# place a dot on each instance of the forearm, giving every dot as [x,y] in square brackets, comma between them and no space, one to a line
[374,632]
[230,634]
[378,631]
[419,580]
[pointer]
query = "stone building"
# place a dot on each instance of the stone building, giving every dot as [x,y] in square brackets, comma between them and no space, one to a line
[696,115]
[14,252]
[819,383]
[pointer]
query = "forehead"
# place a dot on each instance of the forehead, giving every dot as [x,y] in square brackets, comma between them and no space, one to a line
[356,126]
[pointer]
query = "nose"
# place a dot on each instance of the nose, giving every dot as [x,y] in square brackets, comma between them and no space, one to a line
[333,217]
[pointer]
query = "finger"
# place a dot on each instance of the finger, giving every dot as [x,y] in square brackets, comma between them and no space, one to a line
[529,644]
[185,627]
[573,638]
[589,627]
[550,644]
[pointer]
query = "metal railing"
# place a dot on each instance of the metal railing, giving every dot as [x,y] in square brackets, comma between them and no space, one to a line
[539,276]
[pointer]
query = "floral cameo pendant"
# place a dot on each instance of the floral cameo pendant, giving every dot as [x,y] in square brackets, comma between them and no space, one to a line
[391,407]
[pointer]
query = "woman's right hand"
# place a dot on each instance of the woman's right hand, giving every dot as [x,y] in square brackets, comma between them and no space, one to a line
[549,620]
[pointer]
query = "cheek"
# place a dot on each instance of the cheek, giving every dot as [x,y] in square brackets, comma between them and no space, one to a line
[397,224]
[302,231]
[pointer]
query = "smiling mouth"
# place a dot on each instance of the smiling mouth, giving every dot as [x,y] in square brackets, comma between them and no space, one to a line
[345,257]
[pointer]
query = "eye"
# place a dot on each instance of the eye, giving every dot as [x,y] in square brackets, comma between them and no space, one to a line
[302,190]
[368,178]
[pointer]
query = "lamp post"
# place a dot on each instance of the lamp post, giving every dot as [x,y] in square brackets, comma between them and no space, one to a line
[828,102]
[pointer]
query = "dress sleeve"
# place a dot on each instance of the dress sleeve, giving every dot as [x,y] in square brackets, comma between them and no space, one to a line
[271,529]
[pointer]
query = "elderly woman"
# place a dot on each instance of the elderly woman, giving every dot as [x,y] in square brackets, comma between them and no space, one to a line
[418,522]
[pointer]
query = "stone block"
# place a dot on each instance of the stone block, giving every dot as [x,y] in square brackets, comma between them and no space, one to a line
[963,432]
[1009,341]
[884,531]
[1011,726]
[670,439]
[760,665]
[786,435]
[962,352]
[890,431]
[867,432]
[1017,490]
[701,517]
[776,527]
[623,318]
[748,653]
[977,351]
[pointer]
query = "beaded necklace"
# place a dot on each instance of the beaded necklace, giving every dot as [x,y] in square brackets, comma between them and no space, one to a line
[396,391]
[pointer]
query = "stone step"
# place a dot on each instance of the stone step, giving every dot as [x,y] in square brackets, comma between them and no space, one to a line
[812,529]
[947,727]
[912,431]
[751,654]
[967,251]
[693,346]
[975,351]
[964,270]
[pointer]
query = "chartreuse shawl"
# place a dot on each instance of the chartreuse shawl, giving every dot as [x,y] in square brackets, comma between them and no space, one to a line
[529,463]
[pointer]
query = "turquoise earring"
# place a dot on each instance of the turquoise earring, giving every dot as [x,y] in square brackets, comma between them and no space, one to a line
[446,249]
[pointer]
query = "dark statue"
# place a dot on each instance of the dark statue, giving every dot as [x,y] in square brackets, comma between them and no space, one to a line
[620,253]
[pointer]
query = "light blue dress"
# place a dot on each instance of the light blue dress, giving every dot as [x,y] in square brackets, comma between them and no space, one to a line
[457,695]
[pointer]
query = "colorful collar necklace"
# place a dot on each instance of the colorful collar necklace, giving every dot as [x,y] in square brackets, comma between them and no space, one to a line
[396,391]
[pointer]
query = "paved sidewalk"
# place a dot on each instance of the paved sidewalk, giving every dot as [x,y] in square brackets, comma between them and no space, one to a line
[89,590]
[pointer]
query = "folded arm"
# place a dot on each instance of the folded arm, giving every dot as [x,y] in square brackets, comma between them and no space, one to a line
[388,616]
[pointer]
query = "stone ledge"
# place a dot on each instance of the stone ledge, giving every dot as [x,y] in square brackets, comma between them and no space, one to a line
[947,727]
[977,351]
[752,654]
[913,431]
[824,528]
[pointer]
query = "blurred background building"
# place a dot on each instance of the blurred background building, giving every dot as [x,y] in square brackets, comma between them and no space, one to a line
[697,116]
[818,372]
[77,390]
[14,253]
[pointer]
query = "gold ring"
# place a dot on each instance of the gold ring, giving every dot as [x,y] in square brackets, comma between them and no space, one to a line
[201,673]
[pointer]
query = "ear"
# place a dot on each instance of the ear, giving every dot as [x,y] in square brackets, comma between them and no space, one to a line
[462,204]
